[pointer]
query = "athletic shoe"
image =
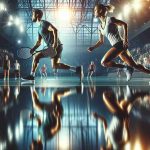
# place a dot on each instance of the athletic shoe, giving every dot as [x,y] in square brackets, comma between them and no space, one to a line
[30,78]
[129,71]
[79,71]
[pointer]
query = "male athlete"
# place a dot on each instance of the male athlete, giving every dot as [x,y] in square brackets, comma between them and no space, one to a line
[91,69]
[49,34]
[43,71]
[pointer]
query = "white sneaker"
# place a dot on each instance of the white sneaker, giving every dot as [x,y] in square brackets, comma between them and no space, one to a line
[129,71]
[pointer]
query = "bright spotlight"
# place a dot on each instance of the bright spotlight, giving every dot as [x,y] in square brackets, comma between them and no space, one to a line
[137,145]
[19,41]
[11,18]
[64,144]
[21,29]
[128,146]
[9,23]
[2,7]
[17,21]
[126,10]
[120,16]
[137,5]
[10,133]
[64,14]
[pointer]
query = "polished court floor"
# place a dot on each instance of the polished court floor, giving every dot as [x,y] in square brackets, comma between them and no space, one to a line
[63,114]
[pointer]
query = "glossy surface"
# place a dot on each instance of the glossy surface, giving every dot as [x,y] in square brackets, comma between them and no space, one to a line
[74,117]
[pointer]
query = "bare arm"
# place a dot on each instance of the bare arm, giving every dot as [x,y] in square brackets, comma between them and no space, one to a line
[55,33]
[38,43]
[55,129]
[99,43]
[35,99]
[125,27]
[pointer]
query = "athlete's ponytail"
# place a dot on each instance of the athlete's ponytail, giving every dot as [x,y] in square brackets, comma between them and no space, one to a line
[106,8]
[110,8]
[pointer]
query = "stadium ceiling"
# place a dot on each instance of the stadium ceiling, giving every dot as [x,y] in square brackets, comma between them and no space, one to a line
[82,23]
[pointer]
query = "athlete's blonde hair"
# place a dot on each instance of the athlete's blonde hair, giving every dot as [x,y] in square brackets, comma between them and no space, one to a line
[109,8]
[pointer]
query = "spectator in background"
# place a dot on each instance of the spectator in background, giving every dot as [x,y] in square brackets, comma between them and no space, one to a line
[145,61]
[91,69]
[17,69]
[6,67]
[43,71]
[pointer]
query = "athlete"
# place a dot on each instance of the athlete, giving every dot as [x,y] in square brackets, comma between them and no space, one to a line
[17,69]
[49,125]
[116,131]
[91,69]
[109,28]
[43,71]
[6,67]
[49,34]
[119,70]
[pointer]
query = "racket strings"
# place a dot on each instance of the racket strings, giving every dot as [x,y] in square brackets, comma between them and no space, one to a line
[24,53]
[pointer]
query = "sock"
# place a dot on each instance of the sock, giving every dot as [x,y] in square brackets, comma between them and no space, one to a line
[72,69]
[33,74]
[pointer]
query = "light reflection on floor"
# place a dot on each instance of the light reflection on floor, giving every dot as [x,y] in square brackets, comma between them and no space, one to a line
[74,117]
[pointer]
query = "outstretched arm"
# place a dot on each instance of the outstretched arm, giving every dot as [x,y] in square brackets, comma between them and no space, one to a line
[35,99]
[38,43]
[99,43]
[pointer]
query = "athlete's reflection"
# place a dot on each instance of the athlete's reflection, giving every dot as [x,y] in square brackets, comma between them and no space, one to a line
[117,132]
[17,91]
[43,90]
[5,92]
[92,88]
[8,97]
[49,126]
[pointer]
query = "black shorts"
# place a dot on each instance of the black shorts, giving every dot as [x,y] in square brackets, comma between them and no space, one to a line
[119,46]
[46,52]
[91,70]
[59,51]
[16,71]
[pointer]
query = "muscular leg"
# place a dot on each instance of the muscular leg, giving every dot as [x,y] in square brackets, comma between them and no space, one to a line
[111,103]
[35,61]
[4,74]
[57,65]
[91,73]
[127,58]
[19,74]
[109,56]
[45,74]
[8,74]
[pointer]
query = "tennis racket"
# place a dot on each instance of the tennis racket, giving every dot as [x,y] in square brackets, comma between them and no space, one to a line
[24,52]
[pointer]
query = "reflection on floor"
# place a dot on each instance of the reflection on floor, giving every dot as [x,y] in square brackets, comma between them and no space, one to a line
[84,116]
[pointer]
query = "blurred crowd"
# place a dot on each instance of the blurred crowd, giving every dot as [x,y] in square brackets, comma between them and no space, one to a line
[142,55]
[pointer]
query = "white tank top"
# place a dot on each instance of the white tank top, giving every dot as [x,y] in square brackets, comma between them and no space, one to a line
[17,66]
[110,31]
